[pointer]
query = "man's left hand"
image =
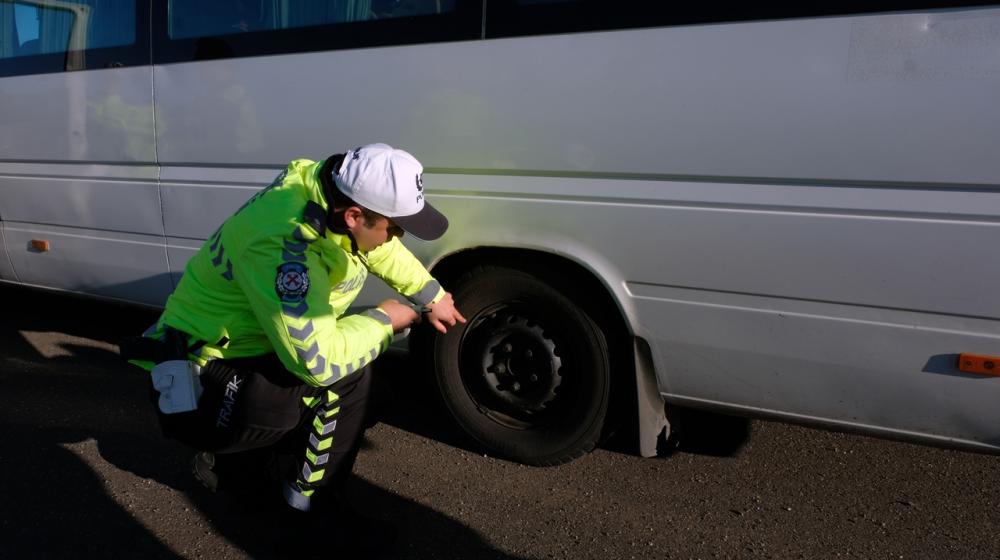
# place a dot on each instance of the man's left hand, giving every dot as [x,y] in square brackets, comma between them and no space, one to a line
[443,313]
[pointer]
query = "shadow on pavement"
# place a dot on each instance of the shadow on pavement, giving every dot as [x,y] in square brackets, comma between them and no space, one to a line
[70,406]
[405,397]
[408,400]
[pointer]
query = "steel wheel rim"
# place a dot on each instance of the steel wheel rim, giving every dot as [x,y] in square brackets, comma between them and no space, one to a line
[510,366]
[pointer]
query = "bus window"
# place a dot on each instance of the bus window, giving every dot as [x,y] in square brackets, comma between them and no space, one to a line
[55,35]
[195,18]
[35,29]
[510,18]
[191,30]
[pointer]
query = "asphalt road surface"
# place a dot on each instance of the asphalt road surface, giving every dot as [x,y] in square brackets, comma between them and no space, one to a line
[84,474]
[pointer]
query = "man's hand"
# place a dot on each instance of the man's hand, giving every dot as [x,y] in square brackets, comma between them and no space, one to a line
[401,315]
[443,313]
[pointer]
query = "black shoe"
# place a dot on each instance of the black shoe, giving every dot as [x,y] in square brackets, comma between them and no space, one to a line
[202,466]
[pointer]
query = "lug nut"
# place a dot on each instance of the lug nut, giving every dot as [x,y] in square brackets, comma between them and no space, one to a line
[516,386]
[533,378]
[501,369]
[507,347]
[527,353]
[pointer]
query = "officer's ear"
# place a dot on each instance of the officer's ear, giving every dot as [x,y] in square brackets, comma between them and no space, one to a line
[353,216]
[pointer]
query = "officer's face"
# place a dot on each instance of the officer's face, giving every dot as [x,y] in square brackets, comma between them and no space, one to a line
[371,236]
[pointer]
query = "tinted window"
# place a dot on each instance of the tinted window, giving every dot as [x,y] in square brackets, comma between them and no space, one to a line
[195,29]
[197,18]
[534,17]
[46,36]
[28,37]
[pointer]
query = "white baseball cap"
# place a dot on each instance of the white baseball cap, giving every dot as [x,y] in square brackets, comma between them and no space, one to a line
[390,182]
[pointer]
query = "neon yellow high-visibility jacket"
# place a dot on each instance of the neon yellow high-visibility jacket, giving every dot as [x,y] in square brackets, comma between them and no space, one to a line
[271,279]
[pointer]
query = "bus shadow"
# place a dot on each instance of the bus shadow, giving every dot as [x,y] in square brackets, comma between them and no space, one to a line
[404,396]
[407,399]
[63,402]
[56,506]
[82,463]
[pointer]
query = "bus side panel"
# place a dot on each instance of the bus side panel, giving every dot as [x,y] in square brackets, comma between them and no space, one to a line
[887,371]
[196,200]
[83,117]
[79,171]
[799,310]
[867,98]
[91,196]
[108,264]
[756,187]
[179,252]
[6,270]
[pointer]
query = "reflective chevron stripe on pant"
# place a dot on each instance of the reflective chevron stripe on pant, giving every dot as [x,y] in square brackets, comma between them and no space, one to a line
[332,438]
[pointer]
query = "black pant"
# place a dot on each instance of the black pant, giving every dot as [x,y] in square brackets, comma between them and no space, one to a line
[253,409]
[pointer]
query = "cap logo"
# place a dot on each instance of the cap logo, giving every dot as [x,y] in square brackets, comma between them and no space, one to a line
[357,154]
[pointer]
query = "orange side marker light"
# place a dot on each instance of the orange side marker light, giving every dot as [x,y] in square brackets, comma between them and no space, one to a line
[978,363]
[40,245]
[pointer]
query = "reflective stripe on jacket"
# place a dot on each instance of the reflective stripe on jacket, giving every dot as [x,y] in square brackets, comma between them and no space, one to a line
[269,280]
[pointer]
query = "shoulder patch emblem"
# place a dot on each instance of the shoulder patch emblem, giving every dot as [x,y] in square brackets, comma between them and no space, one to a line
[292,282]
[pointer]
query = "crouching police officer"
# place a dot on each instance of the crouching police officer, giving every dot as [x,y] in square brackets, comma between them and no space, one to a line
[257,321]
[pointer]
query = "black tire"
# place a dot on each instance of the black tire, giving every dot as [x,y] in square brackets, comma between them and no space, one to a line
[527,376]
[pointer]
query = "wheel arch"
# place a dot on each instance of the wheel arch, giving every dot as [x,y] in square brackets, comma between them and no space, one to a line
[567,275]
[633,380]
